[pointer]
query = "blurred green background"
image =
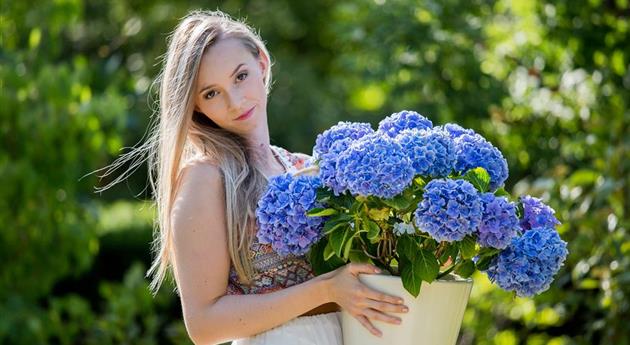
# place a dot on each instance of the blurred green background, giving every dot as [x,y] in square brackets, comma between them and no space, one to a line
[547,81]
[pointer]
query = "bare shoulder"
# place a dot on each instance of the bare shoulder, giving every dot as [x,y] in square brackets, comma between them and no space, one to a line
[200,236]
[198,183]
[198,170]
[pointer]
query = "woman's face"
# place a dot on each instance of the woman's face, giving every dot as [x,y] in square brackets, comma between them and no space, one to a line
[230,83]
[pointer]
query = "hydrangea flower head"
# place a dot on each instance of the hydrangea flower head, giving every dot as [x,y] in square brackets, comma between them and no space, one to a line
[528,265]
[499,223]
[473,151]
[406,119]
[455,131]
[330,144]
[374,165]
[537,214]
[450,209]
[343,131]
[281,214]
[431,151]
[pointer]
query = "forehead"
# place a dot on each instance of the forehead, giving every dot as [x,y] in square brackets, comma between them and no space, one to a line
[220,59]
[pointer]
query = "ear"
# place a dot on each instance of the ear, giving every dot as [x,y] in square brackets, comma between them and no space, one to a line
[263,62]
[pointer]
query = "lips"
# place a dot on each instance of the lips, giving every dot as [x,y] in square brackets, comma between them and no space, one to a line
[246,114]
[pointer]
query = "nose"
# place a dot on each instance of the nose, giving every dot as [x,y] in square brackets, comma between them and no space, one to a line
[234,100]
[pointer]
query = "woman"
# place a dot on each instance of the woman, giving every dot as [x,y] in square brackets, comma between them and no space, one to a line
[211,159]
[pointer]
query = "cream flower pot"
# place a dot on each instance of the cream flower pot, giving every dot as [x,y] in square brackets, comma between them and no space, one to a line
[434,317]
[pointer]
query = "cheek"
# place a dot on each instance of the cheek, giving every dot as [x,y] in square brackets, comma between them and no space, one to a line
[210,110]
[257,89]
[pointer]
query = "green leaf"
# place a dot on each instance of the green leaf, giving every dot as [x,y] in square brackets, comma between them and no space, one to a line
[323,194]
[357,255]
[484,262]
[419,182]
[465,269]
[356,207]
[329,252]
[411,281]
[338,240]
[374,231]
[335,223]
[467,247]
[318,260]
[451,250]
[321,212]
[343,201]
[379,213]
[487,251]
[347,247]
[407,247]
[423,267]
[479,178]
[399,202]
[426,265]
[502,192]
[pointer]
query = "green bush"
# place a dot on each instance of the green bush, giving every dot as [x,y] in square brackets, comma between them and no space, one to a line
[547,82]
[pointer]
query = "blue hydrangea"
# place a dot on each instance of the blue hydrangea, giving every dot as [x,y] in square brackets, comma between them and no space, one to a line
[343,131]
[328,167]
[528,265]
[333,142]
[450,209]
[454,130]
[432,152]
[499,222]
[375,165]
[406,119]
[281,214]
[536,214]
[472,151]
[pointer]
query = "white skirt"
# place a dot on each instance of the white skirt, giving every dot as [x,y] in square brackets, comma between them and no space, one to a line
[320,329]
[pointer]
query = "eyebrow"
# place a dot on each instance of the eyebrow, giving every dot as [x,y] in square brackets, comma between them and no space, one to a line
[209,86]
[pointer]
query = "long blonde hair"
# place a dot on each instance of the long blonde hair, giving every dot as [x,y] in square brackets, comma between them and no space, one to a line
[181,134]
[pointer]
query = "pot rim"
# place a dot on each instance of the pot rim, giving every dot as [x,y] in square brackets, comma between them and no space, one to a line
[455,278]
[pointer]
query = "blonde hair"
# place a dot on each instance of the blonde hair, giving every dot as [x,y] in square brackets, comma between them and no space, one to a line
[181,134]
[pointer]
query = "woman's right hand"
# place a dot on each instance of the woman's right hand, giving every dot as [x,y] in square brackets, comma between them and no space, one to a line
[362,302]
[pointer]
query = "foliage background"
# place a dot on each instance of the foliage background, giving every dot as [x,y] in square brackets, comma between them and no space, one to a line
[547,81]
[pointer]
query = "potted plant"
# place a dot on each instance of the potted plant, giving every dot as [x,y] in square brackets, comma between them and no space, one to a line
[423,203]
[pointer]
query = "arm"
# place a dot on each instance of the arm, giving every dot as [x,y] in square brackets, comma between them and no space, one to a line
[202,264]
[202,267]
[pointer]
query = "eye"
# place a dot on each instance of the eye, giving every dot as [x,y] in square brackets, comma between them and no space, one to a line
[209,94]
[244,73]
[212,92]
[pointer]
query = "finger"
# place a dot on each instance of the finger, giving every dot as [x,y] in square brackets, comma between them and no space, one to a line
[367,324]
[386,307]
[356,268]
[379,296]
[447,263]
[377,315]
